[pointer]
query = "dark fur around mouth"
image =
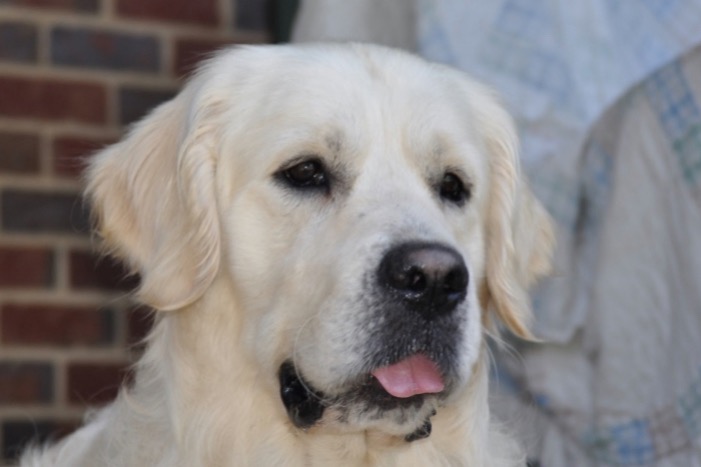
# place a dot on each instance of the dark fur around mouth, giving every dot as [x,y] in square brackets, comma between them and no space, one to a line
[305,406]
[394,332]
[403,335]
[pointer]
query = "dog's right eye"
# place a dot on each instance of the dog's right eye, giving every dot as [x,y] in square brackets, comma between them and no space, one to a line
[308,174]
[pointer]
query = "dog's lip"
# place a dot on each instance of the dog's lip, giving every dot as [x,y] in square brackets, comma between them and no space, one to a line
[299,395]
[411,376]
[304,405]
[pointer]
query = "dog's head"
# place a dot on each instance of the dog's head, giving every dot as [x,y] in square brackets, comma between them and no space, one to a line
[365,206]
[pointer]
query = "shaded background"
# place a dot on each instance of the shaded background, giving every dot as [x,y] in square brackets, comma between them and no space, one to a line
[73,74]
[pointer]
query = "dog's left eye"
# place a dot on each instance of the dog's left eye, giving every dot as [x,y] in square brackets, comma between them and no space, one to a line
[308,174]
[453,189]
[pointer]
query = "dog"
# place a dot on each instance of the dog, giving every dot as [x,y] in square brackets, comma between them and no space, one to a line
[326,233]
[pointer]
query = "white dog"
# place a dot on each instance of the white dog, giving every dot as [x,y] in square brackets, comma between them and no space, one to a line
[323,230]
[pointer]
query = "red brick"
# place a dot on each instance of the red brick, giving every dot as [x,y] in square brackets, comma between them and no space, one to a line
[52,99]
[30,211]
[139,323]
[190,51]
[26,383]
[95,383]
[35,324]
[18,41]
[136,102]
[90,271]
[26,267]
[17,434]
[203,12]
[106,49]
[70,153]
[87,6]
[19,153]
[253,15]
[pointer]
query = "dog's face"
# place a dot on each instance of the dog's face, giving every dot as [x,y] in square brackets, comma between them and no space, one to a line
[357,200]
[356,239]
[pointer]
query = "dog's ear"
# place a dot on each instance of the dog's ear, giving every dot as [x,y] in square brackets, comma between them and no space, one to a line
[153,201]
[519,234]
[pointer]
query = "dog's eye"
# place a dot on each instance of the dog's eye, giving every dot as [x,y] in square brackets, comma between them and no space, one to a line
[306,174]
[453,189]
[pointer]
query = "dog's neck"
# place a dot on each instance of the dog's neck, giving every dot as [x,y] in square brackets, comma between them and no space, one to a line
[253,422]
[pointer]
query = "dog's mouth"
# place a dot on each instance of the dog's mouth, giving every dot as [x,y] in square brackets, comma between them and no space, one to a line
[412,376]
[404,385]
[305,405]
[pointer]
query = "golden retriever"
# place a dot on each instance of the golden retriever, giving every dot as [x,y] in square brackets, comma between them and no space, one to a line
[325,231]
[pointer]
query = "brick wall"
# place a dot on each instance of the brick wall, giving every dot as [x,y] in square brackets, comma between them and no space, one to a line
[73,73]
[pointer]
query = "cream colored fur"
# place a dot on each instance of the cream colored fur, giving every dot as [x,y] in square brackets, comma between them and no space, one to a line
[245,274]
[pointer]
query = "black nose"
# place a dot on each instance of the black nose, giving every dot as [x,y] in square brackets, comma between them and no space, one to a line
[428,277]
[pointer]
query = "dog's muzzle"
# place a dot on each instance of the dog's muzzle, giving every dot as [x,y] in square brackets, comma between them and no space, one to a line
[305,406]
[419,285]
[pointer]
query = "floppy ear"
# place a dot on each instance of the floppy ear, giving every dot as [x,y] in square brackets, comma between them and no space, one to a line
[519,233]
[152,197]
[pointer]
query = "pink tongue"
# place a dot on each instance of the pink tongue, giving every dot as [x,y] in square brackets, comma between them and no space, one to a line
[414,375]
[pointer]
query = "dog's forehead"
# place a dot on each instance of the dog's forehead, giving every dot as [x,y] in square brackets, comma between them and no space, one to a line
[335,81]
[351,102]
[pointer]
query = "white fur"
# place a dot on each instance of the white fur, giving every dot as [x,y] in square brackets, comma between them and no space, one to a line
[246,273]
